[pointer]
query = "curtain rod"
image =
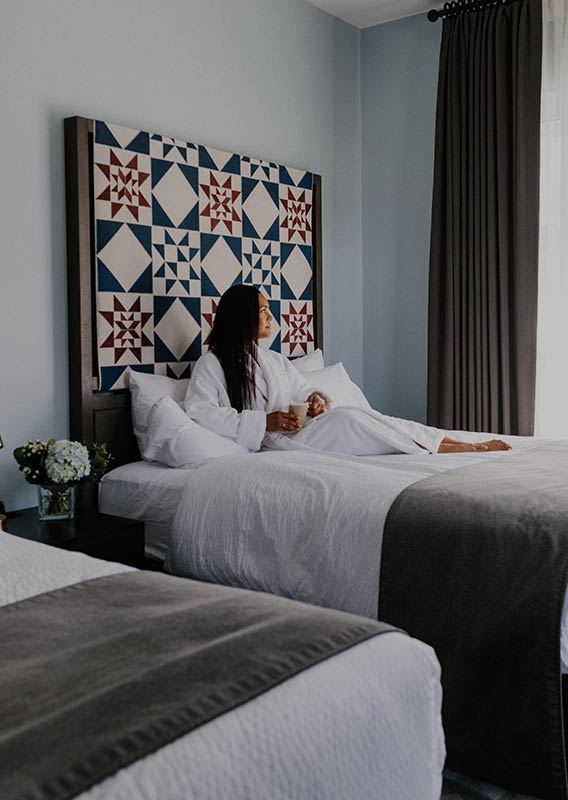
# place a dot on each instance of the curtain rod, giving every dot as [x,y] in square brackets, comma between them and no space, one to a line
[454,8]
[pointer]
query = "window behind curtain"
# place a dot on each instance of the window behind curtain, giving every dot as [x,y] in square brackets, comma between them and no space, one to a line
[551,418]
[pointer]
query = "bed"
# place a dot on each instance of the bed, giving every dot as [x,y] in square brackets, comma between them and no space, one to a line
[223,532]
[362,723]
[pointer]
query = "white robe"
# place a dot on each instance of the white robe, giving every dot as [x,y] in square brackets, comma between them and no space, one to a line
[342,429]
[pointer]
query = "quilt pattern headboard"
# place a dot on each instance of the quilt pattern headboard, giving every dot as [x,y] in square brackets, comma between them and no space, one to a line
[176,224]
[157,229]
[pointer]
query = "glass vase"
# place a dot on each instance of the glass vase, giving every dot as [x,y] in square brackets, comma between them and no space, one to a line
[56,502]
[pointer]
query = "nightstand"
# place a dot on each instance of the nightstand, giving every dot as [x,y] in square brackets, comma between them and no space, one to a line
[100,535]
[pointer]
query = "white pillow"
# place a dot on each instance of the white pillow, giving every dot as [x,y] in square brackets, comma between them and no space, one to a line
[310,362]
[145,390]
[337,385]
[177,441]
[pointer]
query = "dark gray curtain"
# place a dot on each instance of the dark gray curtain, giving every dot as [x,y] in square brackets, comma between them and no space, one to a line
[484,247]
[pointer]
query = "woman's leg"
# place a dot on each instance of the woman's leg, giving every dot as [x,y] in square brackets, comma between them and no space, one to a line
[354,432]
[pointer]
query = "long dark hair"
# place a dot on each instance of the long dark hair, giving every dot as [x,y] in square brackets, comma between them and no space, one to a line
[235,331]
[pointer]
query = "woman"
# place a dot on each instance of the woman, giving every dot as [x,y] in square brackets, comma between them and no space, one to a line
[242,391]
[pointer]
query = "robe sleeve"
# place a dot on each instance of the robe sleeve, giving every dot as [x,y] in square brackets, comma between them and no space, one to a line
[207,403]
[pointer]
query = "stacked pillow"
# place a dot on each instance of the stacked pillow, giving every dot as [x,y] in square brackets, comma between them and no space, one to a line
[333,381]
[145,390]
[166,434]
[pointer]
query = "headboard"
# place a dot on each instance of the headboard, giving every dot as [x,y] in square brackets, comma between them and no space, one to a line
[105,416]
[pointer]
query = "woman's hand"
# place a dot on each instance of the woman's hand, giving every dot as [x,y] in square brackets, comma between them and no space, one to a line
[316,405]
[282,422]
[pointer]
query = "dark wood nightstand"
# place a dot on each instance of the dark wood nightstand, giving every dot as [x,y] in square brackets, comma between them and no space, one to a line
[100,535]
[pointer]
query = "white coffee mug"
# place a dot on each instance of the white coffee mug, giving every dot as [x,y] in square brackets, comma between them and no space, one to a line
[300,410]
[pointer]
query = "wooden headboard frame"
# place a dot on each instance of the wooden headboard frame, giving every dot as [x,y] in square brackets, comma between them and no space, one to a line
[105,416]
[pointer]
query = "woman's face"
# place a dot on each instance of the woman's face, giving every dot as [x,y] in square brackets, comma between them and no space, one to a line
[264,317]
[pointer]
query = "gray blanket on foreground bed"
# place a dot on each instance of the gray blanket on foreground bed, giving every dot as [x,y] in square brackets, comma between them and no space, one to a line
[100,673]
[475,563]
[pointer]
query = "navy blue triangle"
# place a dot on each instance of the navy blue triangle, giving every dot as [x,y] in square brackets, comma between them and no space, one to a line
[144,283]
[109,376]
[208,288]
[184,241]
[285,177]
[173,266]
[105,231]
[307,181]
[307,251]
[274,261]
[140,143]
[307,294]
[193,351]
[169,238]
[233,165]
[248,228]
[276,344]
[144,235]
[285,252]
[160,249]
[193,305]
[191,176]
[169,285]
[255,248]
[273,233]
[181,255]
[285,290]
[236,245]
[159,216]
[104,136]
[159,169]
[205,159]
[185,285]
[248,184]
[167,148]
[161,305]
[272,189]
[207,242]
[193,275]
[107,282]
[191,222]
[161,273]
[161,351]
[193,251]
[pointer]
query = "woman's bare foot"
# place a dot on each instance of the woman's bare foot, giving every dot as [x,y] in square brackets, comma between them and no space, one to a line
[496,444]
[455,446]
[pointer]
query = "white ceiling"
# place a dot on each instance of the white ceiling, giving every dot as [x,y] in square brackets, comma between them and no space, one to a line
[363,13]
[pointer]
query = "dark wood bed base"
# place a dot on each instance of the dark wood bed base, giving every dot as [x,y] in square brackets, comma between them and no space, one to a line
[105,416]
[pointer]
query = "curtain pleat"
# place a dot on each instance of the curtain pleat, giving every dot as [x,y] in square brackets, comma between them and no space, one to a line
[484,246]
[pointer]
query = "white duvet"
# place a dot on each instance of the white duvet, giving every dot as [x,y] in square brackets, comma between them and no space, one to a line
[363,724]
[306,525]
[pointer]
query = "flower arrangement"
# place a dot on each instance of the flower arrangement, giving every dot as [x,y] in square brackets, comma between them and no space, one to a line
[56,466]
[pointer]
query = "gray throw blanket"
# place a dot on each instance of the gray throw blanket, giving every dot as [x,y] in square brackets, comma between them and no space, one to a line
[100,673]
[475,563]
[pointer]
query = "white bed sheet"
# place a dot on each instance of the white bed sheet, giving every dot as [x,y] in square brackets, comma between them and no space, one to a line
[365,723]
[285,548]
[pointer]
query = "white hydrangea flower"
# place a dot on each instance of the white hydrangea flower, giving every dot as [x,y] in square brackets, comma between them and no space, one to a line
[67,462]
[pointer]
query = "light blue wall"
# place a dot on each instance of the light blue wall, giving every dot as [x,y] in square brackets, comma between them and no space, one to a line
[274,79]
[399,77]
